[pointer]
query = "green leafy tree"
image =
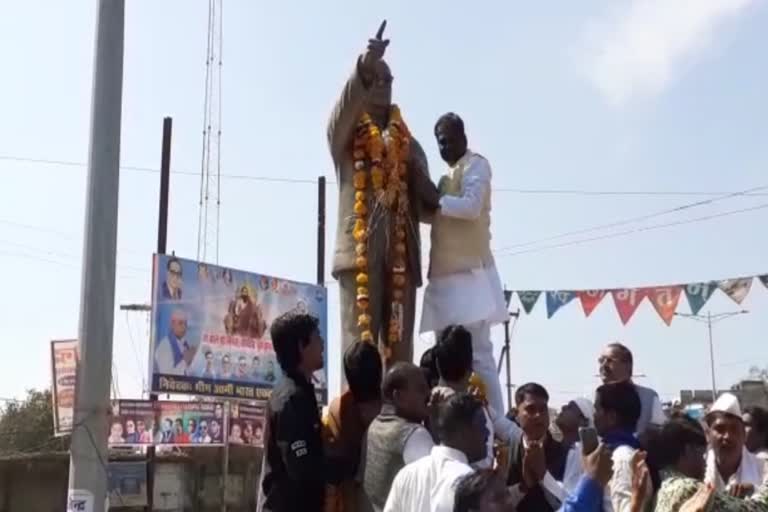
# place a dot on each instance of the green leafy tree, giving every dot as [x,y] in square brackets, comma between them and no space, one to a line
[28,426]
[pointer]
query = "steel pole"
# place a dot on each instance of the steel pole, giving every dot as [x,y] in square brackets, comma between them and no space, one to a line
[711,356]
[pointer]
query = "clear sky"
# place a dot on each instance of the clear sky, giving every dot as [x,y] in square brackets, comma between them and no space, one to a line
[601,96]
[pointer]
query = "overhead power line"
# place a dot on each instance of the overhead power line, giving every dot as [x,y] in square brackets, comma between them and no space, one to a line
[636,230]
[641,218]
[307,181]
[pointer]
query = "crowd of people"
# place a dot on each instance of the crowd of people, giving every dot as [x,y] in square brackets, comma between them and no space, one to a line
[424,438]
[436,437]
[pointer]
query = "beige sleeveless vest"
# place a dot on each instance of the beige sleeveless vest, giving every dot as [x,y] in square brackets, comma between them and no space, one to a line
[460,245]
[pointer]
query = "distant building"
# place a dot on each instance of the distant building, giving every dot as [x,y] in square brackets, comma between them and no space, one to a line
[749,392]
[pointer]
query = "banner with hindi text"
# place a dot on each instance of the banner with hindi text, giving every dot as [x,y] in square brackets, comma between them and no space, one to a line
[246,424]
[169,423]
[210,329]
[664,299]
[64,359]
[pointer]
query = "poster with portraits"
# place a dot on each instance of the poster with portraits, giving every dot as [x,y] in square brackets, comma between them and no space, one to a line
[64,375]
[168,423]
[246,424]
[210,329]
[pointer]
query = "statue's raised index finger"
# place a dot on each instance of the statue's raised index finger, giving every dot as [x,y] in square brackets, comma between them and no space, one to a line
[380,32]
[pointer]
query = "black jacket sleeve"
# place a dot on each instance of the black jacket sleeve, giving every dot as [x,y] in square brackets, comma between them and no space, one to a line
[300,445]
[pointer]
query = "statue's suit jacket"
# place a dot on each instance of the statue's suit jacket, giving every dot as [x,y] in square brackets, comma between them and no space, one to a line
[423,195]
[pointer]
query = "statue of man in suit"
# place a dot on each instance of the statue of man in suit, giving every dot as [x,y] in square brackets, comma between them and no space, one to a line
[390,283]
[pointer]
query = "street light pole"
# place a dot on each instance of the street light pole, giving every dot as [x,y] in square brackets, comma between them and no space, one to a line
[711,356]
[712,319]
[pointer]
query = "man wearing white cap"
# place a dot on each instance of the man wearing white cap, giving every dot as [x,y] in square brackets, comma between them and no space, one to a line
[577,413]
[730,467]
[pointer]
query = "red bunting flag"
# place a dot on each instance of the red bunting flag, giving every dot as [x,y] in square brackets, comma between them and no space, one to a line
[664,300]
[627,301]
[590,299]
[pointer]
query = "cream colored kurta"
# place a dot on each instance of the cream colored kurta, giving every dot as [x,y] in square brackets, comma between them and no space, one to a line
[475,294]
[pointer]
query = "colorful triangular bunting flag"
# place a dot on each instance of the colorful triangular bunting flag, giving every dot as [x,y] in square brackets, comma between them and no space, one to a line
[664,300]
[764,279]
[590,300]
[627,301]
[528,299]
[736,289]
[558,299]
[698,294]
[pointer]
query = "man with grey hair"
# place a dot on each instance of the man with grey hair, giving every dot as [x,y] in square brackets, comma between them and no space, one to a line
[174,354]
[616,365]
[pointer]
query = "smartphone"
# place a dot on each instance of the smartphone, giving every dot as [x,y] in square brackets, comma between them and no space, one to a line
[589,440]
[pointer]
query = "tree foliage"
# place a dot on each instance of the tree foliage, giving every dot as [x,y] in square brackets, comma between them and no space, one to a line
[757,373]
[27,426]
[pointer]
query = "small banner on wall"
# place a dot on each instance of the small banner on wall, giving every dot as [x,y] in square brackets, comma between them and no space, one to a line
[664,299]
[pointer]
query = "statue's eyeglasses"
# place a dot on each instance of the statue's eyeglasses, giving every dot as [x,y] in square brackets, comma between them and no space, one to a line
[383,81]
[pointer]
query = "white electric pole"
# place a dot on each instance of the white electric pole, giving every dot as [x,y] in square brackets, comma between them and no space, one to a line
[710,319]
[88,462]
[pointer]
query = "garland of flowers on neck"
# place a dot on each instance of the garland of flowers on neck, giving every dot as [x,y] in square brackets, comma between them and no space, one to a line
[382,157]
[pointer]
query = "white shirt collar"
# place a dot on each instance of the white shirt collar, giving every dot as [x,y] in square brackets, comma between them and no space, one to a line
[464,160]
[526,442]
[445,452]
[750,471]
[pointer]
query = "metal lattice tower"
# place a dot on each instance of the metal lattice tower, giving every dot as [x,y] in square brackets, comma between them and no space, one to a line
[210,167]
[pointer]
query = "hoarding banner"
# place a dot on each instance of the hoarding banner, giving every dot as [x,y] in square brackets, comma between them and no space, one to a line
[210,329]
[64,373]
[246,424]
[170,423]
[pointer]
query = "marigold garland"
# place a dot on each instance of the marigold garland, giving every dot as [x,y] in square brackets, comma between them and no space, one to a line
[382,157]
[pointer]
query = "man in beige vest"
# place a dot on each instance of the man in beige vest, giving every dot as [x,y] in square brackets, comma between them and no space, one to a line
[464,287]
[368,93]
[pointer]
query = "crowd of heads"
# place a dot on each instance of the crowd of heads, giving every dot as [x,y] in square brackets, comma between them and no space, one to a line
[459,420]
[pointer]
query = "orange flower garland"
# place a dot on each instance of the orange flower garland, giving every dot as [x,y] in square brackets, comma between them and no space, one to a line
[383,157]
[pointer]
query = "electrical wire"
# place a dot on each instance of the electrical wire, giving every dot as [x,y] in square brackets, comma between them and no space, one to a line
[633,220]
[634,231]
[306,181]
[26,257]
[65,255]
[135,348]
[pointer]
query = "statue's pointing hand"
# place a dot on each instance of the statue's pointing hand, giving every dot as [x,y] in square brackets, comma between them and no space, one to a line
[376,48]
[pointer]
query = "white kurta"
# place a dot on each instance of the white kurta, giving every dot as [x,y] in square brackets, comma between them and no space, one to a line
[751,471]
[164,358]
[467,297]
[475,298]
[429,484]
